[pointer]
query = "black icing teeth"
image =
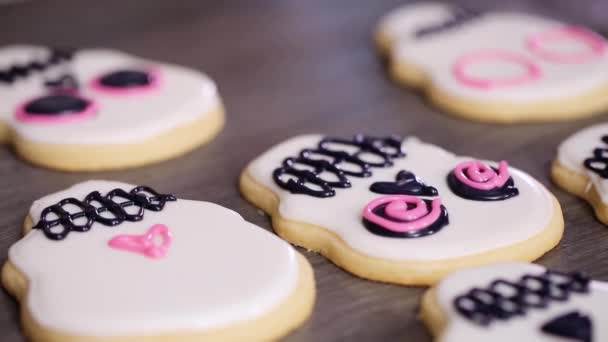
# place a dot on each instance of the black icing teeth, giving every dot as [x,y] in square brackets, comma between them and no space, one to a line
[504,299]
[318,171]
[126,79]
[58,104]
[16,71]
[115,214]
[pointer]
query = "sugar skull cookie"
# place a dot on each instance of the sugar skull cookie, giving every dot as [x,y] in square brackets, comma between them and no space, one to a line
[581,167]
[496,67]
[108,261]
[400,211]
[517,302]
[89,110]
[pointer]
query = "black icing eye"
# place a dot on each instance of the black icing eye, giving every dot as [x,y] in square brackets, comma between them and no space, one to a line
[56,108]
[127,79]
[56,105]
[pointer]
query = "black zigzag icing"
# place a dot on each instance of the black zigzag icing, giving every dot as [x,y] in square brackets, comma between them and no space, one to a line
[503,299]
[306,169]
[117,214]
[17,71]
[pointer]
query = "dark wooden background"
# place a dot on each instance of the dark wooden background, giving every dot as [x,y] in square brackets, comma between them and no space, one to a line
[287,67]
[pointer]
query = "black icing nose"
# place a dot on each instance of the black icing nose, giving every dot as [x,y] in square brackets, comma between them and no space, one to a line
[126,79]
[56,105]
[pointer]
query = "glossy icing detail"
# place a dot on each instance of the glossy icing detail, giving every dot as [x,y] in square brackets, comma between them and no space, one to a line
[338,157]
[572,325]
[220,270]
[475,227]
[406,183]
[504,299]
[14,72]
[145,244]
[477,181]
[404,216]
[107,212]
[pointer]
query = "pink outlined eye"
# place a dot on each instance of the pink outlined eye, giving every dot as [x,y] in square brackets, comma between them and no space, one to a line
[596,46]
[462,65]
[127,82]
[56,109]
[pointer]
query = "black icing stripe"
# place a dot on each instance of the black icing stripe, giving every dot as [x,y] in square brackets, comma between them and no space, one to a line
[304,174]
[504,299]
[459,17]
[17,71]
[65,220]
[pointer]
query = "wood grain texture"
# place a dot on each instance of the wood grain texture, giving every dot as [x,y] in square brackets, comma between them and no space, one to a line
[287,67]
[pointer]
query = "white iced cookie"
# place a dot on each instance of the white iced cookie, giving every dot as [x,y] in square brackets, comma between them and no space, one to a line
[108,261]
[96,109]
[401,211]
[496,67]
[581,167]
[517,302]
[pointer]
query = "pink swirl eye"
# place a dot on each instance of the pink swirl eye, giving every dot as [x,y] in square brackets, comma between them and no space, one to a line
[595,46]
[477,181]
[404,216]
[56,109]
[127,82]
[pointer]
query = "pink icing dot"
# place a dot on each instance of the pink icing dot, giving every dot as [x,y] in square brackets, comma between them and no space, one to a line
[478,175]
[418,217]
[596,45]
[532,71]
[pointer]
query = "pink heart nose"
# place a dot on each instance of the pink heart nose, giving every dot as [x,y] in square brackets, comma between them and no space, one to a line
[153,244]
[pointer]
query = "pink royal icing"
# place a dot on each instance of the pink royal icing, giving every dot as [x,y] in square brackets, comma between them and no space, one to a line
[418,217]
[480,176]
[595,44]
[459,70]
[22,115]
[156,81]
[146,244]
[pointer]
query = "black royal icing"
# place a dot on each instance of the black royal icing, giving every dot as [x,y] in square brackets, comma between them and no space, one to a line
[65,219]
[506,191]
[406,183]
[482,306]
[308,166]
[459,17]
[17,71]
[436,226]
[599,162]
[572,325]
[56,104]
[126,79]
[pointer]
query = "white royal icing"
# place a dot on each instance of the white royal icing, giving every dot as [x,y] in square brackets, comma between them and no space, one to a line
[572,153]
[184,96]
[436,54]
[219,270]
[474,226]
[520,328]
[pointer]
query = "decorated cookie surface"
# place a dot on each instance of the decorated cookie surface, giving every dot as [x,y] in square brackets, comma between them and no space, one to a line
[409,210]
[495,66]
[507,302]
[581,167]
[112,260]
[60,105]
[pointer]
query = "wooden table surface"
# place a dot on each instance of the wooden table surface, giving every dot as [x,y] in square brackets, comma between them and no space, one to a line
[286,67]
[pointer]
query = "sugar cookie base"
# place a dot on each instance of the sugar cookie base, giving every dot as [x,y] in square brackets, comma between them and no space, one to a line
[170,144]
[431,314]
[414,272]
[579,185]
[504,112]
[280,321]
